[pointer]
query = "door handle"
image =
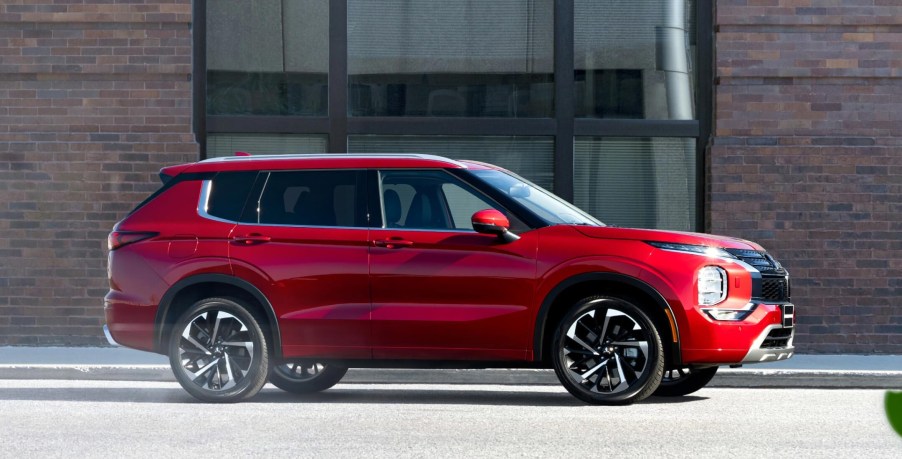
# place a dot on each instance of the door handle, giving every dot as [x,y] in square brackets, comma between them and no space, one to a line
[393,243]
[251,239]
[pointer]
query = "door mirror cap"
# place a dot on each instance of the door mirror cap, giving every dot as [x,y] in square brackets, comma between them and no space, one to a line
[490,221]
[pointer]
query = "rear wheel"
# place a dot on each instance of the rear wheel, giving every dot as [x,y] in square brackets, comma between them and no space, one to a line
[684,381]
[607,351]
[305,377]
[218,351]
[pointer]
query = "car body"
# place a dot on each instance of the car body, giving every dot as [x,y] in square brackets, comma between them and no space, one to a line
[319,263]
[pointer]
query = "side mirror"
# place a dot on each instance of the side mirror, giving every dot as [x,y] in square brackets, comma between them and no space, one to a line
[490,221]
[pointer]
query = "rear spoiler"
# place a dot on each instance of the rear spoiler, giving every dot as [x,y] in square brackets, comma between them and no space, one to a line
[167,173]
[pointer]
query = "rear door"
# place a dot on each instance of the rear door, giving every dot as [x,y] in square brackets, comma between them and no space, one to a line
[304,242]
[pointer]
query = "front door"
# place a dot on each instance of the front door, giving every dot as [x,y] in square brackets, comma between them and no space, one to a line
[439,289]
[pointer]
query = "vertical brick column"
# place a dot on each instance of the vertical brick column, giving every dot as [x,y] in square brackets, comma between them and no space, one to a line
[95,96]
[807,158]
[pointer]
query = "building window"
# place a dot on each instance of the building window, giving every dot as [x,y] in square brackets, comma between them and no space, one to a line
[637,182]
[531,157]
[219,145]
[634,59]
[607,103]
[267,57]
[462,58]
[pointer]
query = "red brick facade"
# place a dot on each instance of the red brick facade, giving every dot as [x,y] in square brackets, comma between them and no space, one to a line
[95,96]
[807,158]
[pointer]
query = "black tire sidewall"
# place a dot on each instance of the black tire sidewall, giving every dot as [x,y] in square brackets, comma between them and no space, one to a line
[253,380]
[691,382]
[329,376]
[642,388]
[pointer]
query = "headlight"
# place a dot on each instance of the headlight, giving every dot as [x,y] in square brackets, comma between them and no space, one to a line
[712,285]
[690,248]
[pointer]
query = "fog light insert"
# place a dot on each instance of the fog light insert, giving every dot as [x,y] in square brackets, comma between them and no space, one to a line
[712,285]
[729,314]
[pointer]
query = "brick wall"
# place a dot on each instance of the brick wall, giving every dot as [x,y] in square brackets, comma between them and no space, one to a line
[94,98]
[807,158]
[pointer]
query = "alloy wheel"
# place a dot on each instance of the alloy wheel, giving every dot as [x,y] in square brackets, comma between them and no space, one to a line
[216,350]
[606,351]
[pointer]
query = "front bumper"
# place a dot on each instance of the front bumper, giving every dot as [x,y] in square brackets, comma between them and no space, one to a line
[766,335]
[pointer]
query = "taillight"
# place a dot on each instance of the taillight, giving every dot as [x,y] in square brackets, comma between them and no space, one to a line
[122,238]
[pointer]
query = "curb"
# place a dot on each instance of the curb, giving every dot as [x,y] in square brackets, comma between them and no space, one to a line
[846,379]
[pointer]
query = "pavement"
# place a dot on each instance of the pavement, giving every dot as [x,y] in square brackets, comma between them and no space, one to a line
[122,364]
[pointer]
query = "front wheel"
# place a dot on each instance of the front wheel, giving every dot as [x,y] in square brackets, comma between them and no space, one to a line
[607,351]
[684,381]
[305,377]
[218,351]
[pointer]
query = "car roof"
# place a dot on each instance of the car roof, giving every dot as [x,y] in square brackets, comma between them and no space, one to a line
[328,161]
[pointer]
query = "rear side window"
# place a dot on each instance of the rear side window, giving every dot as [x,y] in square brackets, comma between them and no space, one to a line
[314,198]
[228,193]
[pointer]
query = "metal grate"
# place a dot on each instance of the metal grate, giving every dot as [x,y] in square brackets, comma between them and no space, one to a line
[759,260]
[775,289]
[777,338]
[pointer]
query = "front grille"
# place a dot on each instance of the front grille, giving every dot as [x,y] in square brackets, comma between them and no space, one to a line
[778,338]
[759,260]
[775,289]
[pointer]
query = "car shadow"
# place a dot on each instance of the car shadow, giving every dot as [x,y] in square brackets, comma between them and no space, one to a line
[346,395]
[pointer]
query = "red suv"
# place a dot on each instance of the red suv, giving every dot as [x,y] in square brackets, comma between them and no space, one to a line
[292,269]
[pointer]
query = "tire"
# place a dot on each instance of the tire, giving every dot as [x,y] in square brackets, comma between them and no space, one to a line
[684,381]
[305,377]
[218,351]
[615,361]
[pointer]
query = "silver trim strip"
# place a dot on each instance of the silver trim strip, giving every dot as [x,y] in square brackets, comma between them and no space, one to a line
[204,202]
[757,355]
[109,337]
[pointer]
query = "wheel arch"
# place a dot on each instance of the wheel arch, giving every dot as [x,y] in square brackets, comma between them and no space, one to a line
[554,307]
[187,291]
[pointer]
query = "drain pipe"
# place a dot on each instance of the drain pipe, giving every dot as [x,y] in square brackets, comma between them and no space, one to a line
[672,59]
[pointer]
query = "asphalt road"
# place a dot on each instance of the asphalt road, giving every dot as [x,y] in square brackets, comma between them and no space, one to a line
[132,419]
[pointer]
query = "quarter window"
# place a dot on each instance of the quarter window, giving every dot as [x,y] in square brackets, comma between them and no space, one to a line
[228,193]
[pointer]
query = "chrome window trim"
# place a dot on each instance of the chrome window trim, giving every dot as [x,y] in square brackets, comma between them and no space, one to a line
[203,203]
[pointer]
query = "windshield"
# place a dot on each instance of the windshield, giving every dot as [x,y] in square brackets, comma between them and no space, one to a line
[545,204]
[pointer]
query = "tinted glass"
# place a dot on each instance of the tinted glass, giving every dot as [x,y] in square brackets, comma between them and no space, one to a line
[228,193]
[264,144]
[451,58]
[267,57]
[429,200]
[637,182]
[529,156]
[313,198]
[635,59]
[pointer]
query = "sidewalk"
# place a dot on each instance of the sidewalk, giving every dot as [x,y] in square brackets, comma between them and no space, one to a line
[108,363]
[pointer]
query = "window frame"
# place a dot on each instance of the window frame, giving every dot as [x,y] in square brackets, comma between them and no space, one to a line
[564,127]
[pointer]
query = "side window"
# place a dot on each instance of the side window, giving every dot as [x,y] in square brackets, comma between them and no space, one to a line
[228,193]
[429,199]
[313,198]
[462,204]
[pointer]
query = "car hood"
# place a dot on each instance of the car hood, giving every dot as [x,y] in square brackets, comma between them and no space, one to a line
[678,237]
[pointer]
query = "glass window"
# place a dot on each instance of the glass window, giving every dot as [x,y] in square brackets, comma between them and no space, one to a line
[531,157]
[462,58]
[228,193]
[219,145]
[429,200]
[267,57]
[635,59]
[313,198]
[637,182]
